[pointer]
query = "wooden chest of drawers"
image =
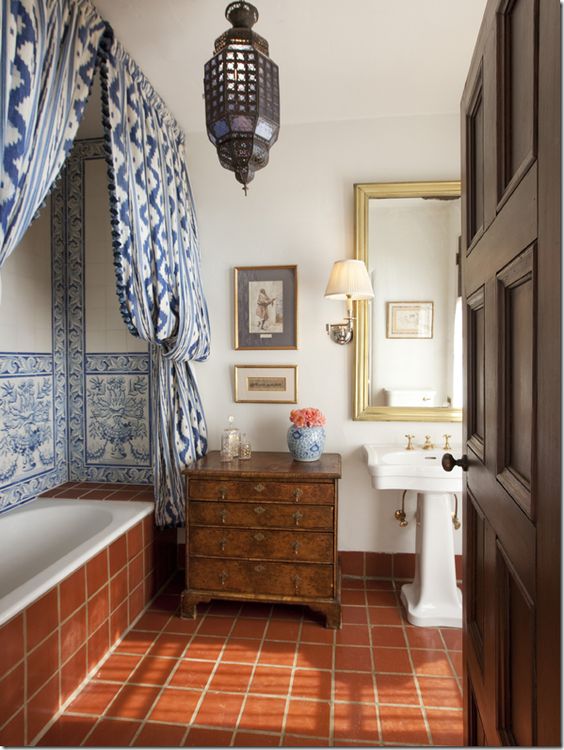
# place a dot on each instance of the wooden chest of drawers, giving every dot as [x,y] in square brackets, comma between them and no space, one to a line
[264,529]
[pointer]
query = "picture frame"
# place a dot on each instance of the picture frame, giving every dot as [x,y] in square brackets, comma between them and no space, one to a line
[266,300]
[266,384]
[410,320]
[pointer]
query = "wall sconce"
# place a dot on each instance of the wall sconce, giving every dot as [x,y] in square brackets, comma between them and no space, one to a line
[349,281]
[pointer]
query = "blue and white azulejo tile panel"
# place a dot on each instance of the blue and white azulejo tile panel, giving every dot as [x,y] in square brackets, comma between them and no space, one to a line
[117,412]
[32,449]
[26,417]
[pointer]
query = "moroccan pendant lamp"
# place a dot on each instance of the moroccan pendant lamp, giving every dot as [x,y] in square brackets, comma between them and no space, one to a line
[242,96]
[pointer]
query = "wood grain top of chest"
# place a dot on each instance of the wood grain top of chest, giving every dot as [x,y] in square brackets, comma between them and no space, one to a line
[263,490]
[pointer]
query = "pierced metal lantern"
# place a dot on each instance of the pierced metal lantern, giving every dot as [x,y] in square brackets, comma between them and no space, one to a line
[242,96]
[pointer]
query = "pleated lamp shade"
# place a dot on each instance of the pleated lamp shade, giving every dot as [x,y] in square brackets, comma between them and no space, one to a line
[349,278]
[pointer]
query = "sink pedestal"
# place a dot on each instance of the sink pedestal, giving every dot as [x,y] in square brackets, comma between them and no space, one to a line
[433,598]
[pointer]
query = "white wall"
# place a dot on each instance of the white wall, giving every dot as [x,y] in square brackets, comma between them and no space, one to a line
[25,306]
[300,210]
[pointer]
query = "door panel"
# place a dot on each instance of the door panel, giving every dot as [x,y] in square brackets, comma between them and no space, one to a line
[516,43]
[516,656]
[510,260]
[476,373]
[516,345]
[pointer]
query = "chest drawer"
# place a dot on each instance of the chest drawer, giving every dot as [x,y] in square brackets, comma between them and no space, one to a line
[261,515]
[265,491]
[274,578]
[262,545]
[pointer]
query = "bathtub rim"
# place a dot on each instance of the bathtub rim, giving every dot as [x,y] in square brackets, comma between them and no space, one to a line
[34,588]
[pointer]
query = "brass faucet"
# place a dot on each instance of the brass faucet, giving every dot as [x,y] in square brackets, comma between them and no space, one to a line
[427,445]
[446,446]
[409,446]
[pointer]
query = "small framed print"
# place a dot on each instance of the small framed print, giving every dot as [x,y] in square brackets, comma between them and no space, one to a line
[410,320]
[266,299]
[266,384]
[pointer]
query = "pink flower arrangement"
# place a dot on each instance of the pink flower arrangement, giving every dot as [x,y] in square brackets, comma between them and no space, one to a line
[309,417]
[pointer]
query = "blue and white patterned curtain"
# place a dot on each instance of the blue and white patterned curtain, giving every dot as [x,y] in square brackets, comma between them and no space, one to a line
[157,261]
[48,53]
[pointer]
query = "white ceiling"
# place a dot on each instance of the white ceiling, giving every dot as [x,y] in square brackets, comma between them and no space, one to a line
[338,60]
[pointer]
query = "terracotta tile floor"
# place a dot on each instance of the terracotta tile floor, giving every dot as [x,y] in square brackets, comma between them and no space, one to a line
[270,675]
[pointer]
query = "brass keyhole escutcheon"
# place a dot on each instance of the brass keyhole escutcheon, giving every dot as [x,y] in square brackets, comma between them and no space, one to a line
[298,492]
[259,487]
[297,516]
[222,544]
[223,577]
[259,537]
[223,515]
[259,510]
[260,568]
[222,493]
[296,547]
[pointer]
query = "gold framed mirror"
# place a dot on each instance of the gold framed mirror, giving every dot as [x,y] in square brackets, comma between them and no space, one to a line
[408,340]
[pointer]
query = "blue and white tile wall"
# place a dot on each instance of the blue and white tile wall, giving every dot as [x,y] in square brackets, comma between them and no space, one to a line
[74,384]
[109,415]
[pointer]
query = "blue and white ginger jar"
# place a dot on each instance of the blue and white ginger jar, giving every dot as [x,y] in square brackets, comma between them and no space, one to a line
[306,443]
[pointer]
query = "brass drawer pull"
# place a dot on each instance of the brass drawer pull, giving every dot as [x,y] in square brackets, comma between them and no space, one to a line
[259,568]
[222,493]
[296,547]
[259,510]
[222,544]
[223,515]
[259,487]
[297,581]
[223,577]
[258,537]
[297,516]
[298,494]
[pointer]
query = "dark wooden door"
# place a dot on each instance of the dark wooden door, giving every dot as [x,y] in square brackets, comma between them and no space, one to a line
[511,277]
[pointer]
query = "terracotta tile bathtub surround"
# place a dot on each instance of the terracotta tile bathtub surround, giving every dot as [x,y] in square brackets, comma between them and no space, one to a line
[272,676]
[48,649]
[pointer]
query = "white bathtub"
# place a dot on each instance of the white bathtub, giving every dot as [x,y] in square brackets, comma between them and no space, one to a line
[45,540]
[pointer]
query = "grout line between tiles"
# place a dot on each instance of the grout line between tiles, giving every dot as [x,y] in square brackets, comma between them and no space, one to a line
[332,702]
[415,677]
[451,664]
[291,683]
[254,669]
[373,665]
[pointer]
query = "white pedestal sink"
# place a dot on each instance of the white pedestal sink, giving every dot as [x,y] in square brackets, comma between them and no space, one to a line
[433,598]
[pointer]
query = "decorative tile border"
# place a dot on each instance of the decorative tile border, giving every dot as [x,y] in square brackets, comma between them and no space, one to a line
[129,363]
[108,406]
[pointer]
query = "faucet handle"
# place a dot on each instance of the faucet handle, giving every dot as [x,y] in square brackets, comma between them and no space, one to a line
[409,446]
[428,445]
[446,446]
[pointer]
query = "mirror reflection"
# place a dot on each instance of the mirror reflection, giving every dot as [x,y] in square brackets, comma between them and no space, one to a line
[409,343]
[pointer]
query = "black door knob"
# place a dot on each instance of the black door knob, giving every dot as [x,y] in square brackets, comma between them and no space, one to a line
[449,462]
